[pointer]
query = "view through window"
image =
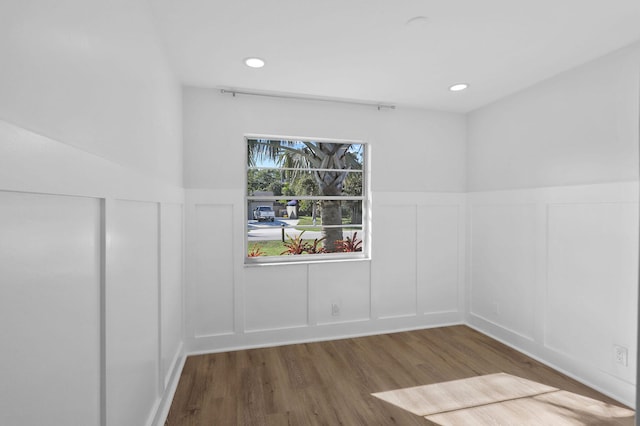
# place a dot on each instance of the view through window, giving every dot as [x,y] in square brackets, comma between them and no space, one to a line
[305,198]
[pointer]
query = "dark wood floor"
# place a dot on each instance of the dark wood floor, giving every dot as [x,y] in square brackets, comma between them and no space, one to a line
[330,383]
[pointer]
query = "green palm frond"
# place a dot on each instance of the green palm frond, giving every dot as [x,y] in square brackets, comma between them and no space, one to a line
[300,156]
[278,151]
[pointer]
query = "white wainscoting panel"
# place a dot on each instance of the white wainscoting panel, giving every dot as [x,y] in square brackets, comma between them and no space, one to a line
[592,283]
[246,306]
[276,297]
[394,274]
[132,303]
[503,265]
[561,264]
[49,309]
[86,338]
[439,258]
[214,272]
[171,297]
[346,284]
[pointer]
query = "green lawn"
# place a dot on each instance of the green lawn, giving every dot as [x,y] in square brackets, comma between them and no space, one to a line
[275,247]
[271,248]
[306,220]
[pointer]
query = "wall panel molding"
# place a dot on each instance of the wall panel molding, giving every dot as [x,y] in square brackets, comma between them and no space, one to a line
[36,167]
[50,309]
[171,273]
[213,293]
[132,317]
[440,253]
[592,258]
[280,304]
[394,242]
[503,264]
[582,283]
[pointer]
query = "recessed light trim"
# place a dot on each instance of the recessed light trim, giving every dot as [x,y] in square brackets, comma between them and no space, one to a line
[458,87]
[254,62]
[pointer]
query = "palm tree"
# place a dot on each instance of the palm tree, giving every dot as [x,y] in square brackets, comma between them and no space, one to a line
[329,164]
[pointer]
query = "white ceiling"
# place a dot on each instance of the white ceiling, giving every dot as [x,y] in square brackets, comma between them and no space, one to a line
[364,50]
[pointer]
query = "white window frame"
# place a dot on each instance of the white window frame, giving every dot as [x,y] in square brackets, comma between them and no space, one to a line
[365,198]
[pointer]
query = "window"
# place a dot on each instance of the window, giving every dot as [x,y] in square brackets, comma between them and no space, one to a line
[306,200]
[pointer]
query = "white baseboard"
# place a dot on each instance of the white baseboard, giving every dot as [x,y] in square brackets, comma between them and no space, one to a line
[164,405]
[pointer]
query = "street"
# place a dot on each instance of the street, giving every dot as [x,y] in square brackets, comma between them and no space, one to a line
[269,231]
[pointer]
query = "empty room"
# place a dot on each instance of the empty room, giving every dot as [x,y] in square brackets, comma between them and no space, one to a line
[418,212]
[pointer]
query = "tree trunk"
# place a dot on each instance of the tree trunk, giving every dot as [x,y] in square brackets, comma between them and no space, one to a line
[331,215]
[313,212]
[331,182]
[356,213]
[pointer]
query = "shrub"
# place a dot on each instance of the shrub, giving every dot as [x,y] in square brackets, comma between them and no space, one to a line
[255,251]
[349,244]
[296,245]
[314,248]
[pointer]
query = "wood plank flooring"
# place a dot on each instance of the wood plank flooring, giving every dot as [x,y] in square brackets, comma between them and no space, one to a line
[330,383]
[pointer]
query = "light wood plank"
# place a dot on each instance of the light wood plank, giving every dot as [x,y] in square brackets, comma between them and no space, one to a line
[558,408]
[465,393]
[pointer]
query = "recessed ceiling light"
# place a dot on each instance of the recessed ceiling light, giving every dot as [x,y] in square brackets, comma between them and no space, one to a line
[458,87]
[254,62]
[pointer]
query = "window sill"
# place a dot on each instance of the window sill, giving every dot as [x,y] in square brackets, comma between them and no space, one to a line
[305,260]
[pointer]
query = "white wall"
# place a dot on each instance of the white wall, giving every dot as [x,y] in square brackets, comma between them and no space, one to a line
[215,122]
[553,260]
[91,215]
[92,74]
[577,128]
[416,275]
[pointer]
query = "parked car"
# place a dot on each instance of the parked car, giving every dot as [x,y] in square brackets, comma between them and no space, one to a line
[264,213]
